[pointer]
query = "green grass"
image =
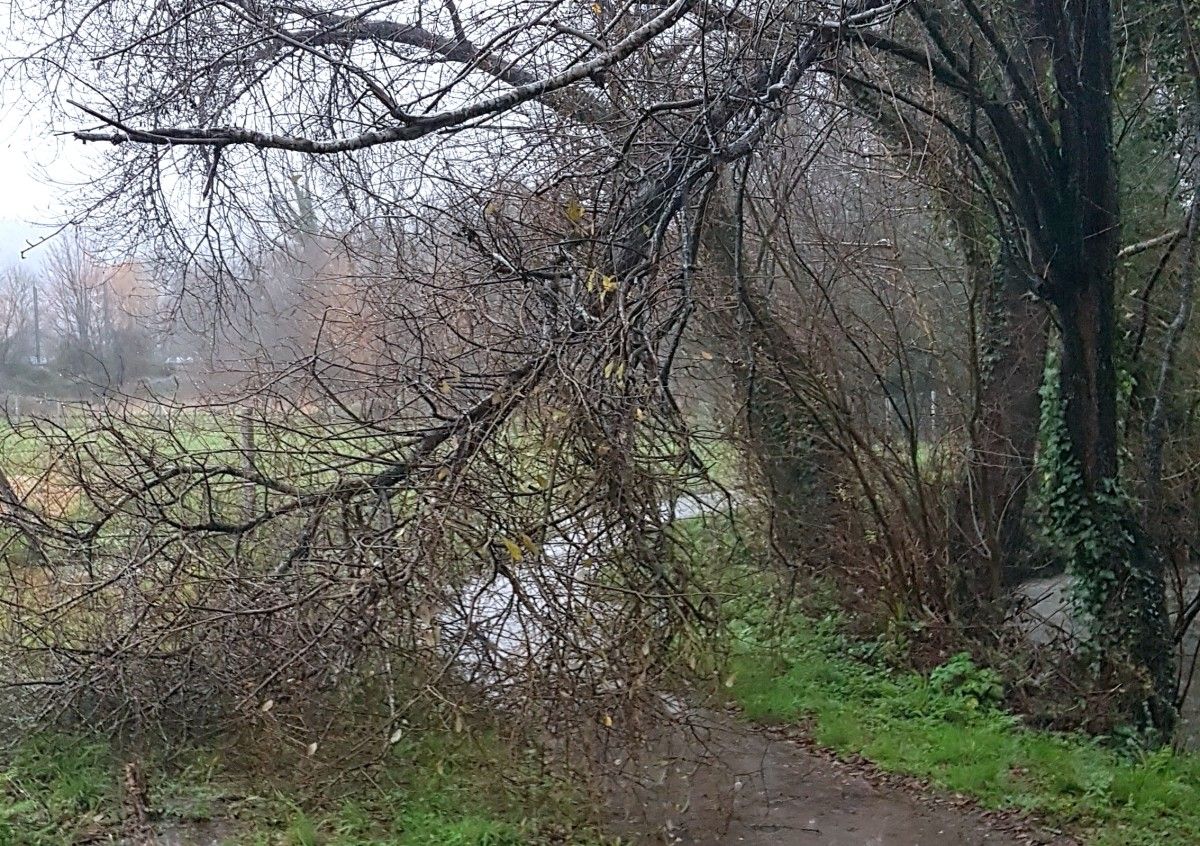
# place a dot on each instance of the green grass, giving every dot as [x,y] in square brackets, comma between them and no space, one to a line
[458,790]
[52,788]
[948,727]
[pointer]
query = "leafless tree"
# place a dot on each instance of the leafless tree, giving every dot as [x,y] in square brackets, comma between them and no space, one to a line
[458,254]
[16,315]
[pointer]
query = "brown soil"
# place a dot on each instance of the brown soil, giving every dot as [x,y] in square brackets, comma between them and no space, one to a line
[713,779]
[719,781]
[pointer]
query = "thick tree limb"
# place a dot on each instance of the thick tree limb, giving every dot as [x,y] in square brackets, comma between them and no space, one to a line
[413,128]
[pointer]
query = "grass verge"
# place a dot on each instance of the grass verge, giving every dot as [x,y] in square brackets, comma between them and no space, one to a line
[458,790]
[947,727]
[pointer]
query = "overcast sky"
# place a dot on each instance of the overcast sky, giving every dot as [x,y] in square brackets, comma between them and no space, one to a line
[35,166]
[35,169]
[24,197]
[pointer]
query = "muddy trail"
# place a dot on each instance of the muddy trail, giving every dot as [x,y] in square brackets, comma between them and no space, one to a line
[714,779]
[718,780]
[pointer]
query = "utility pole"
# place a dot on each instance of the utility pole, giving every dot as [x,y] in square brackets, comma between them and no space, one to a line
[37,326]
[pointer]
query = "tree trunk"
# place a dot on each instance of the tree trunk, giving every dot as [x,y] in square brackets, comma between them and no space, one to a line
[786,456]
[1089,380]
[1119,573]
[783,453]
[989,540]
[1068,200]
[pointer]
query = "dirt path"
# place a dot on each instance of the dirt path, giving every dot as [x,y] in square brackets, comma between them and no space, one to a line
[716,780]
[722,782]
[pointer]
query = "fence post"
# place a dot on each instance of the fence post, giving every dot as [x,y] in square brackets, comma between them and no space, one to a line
[248,463]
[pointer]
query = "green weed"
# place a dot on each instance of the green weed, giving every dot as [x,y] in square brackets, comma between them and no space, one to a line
[54,787]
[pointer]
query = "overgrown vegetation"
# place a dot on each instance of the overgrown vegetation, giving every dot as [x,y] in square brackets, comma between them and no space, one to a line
[453,789]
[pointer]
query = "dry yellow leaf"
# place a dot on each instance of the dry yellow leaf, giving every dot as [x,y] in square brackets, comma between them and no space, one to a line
[530,544]
[514,549]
